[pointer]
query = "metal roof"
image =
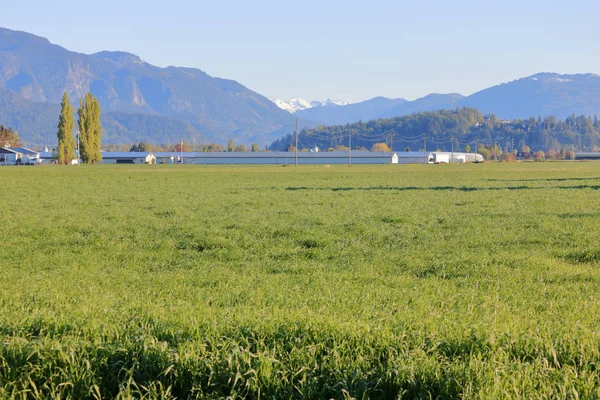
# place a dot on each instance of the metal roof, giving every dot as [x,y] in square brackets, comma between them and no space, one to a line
[301,154]
[125,154]
[23,150]
[282,154]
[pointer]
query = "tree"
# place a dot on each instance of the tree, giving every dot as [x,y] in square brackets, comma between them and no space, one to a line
[84,146]
[66,123]
[141,146]
[185,147]
[467,149]
[484,152]
[90,129]
[380,147]
[240,148]
[255,148]
[9,137]
[214,147]
[230,145]
[407,149]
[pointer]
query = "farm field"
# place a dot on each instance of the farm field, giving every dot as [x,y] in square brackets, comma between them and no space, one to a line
[391,281]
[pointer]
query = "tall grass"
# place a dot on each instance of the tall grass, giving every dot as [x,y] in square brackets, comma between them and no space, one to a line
[470,281]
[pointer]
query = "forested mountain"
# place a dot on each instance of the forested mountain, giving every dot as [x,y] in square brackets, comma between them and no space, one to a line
[464,126]
[211,108]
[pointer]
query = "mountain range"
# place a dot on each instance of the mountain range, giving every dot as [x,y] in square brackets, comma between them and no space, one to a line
[537,95]
[142,102]
[294,105]
[211,109]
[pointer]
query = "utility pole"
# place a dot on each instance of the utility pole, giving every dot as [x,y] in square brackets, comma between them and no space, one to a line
[425,148]
[296,141]
[391,147]
[78,155]
[350,149]
[181,152]
[452,159]
[476,145]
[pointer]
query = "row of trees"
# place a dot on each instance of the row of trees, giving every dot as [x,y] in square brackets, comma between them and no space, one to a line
[186,147]
[89,130]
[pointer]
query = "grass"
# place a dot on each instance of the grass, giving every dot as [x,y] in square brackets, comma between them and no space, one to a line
[404,281]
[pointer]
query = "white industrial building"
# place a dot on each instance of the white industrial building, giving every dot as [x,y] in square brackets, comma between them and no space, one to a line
[128,157]
[329,157]
[446,157]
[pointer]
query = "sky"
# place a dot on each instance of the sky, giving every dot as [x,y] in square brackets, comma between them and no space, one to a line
[346,50]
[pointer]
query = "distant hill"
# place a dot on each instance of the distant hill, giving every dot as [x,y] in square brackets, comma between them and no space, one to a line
[211,108]
[540,94]
[461,127]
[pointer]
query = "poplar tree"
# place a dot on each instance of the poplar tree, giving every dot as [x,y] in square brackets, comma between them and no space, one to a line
[66,122]
[84,146]
[90,129]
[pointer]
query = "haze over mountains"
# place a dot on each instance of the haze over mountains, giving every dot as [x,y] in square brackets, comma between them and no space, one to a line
[142,102]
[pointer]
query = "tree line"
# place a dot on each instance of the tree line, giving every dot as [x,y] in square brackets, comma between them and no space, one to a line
[185,147]
[89,131]
[447,129]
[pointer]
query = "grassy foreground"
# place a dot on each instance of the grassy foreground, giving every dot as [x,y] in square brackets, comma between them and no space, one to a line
[462,281]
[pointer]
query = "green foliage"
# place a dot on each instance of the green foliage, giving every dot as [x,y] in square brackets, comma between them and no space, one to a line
[230,145]
[142,147]
[90,129]
[391,281]
[255,148]
[380,147]
[466,125]
[66,141]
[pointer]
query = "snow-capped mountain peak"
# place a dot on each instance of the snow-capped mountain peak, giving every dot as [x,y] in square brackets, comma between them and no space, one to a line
[294,105]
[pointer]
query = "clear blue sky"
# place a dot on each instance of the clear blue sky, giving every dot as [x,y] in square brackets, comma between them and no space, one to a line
[350,50]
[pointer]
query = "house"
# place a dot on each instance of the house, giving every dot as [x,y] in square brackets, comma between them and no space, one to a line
[9,156]
[28,156]
[18,156]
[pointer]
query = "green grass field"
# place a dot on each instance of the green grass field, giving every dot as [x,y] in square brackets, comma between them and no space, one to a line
[461,281]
